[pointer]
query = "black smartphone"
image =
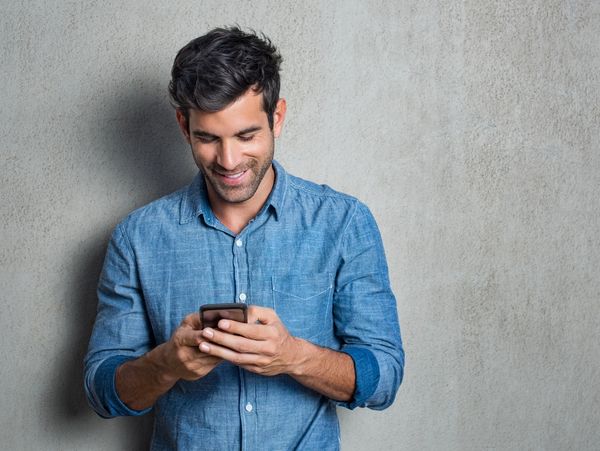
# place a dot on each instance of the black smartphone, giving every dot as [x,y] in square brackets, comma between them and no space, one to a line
[210,314]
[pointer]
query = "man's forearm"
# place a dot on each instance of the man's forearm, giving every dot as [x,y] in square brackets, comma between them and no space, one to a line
[324,370]
[142,381]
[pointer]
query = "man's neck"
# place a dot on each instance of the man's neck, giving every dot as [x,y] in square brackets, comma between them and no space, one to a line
[236,216]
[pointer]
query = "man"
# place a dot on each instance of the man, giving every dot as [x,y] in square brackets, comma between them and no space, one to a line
[322,325]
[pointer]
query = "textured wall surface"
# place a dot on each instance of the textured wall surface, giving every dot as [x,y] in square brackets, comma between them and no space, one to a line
[471,128]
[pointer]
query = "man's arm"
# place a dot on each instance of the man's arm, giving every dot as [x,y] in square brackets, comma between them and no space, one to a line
[122,331]
[326,371]
[264,346]
[125,372]
[365,314]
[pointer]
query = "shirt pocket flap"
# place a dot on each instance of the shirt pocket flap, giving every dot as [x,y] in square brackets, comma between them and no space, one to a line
[303,303]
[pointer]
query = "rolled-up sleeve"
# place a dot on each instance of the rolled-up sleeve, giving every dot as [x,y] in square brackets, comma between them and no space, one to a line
[365,314]
[121,332]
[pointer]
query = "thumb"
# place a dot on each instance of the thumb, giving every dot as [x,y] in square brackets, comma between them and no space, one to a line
[192,320]
[262,315]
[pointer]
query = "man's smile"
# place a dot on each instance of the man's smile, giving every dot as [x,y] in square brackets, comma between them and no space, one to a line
[231,178]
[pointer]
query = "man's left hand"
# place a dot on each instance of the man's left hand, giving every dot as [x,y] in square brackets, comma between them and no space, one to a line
[263,345]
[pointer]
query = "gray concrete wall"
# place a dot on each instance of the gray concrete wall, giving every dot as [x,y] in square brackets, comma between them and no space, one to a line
[469,127]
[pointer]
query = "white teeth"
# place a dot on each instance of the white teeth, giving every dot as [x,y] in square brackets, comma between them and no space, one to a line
[234,176]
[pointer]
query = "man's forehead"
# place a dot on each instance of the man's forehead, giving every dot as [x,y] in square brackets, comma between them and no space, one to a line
[246,111]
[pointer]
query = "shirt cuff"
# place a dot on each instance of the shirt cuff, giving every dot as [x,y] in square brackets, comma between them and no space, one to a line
[104,381]
[366,370]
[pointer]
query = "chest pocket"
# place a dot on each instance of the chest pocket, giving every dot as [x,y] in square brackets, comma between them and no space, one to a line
[303,303]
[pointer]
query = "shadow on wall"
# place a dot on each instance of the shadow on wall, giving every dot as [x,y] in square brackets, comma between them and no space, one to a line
[143,147]
[147,158]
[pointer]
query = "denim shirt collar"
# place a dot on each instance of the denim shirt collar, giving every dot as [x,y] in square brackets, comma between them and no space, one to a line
[194,201]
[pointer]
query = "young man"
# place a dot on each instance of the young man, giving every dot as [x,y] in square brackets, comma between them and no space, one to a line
[322,325]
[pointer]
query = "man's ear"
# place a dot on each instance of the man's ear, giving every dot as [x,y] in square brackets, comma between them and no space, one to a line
[279,117]
[183,124]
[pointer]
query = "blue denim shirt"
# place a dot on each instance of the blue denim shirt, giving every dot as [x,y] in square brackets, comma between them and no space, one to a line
[312,254]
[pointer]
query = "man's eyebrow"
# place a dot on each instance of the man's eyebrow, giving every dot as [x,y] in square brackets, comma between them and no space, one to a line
[247,130]
[202,134]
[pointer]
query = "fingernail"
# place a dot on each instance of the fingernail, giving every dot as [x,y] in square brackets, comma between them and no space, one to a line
[208,333]
[204,347]
[223,324]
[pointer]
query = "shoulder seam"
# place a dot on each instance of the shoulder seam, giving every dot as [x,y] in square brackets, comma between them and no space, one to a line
[356,205]
[333,194]
[340,246]
[126,240]
[173,198]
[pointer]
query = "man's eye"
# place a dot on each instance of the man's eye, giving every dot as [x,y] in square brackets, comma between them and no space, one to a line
[246,138]
[206,139]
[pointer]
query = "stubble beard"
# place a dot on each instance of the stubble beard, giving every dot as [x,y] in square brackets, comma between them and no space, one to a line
[238,194]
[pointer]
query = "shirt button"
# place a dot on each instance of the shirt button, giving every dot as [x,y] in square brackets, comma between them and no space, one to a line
[238,243]
[249,407]
[243,297]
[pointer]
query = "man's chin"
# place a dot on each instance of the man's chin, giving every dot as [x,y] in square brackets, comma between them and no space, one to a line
[233,195]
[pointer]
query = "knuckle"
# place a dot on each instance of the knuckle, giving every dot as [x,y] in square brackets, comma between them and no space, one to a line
[245,347]
[238,360]
[270,350]
[182,355]
[235,359]
[179,337]
[263,363]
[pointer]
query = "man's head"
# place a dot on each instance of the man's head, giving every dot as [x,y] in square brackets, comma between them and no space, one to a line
[225,89]
[215,69]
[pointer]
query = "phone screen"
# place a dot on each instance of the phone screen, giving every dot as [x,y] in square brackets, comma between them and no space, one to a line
[210,314]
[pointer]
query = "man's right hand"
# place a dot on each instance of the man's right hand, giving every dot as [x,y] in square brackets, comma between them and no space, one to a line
[180,357]
[142,381]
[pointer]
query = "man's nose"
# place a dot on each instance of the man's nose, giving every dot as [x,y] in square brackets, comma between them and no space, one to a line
[229,155]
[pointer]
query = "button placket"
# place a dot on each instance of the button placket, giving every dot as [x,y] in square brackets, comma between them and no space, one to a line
[240,262]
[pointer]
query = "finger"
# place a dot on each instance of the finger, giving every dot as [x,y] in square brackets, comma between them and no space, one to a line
[253,369]
[237,358]
[199,364]
[251,331]
[234,342]
[184,336]
[203,359]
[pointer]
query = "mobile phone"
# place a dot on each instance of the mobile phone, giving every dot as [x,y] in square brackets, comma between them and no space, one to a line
[210,314]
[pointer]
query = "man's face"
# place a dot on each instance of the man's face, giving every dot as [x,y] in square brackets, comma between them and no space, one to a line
[234,149]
